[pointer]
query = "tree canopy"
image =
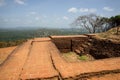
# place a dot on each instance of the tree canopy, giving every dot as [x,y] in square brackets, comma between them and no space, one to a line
[94,23]
[115,22]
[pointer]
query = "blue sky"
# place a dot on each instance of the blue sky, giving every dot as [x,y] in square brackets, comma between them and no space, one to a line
[52,13]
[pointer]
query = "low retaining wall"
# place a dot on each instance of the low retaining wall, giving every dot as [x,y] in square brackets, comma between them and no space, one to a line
[87,44]
[66,43]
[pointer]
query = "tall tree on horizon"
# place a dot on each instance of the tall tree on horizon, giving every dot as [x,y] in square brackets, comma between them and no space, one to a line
[92,23]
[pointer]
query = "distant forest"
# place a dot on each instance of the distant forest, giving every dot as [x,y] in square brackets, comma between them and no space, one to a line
[91,23]
[13,37]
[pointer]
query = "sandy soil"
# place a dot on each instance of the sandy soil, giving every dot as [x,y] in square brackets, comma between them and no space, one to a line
[4,52]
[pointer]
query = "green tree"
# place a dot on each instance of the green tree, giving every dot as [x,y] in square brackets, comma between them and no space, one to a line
[115,22]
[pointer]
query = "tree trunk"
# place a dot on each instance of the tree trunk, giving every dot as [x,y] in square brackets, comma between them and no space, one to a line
[93,29]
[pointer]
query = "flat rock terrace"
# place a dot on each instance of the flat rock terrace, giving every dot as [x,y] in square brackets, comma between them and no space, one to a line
[40,59]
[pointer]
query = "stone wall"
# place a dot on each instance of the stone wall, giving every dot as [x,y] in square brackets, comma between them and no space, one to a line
[66,44]
[82,45]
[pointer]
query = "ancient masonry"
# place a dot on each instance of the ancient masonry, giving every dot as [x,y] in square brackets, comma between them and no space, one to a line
[40,59]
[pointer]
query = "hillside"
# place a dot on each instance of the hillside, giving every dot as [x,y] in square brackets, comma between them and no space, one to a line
[41,58]
[110,34]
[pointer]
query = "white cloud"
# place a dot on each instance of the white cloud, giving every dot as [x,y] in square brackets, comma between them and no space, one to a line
[20,2]
[73,10]
[2,2]
[65,18]
[83,10]
[107,9]
[91,10]
[33,12]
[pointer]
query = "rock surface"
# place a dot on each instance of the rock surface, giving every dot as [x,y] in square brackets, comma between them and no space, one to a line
[40,59]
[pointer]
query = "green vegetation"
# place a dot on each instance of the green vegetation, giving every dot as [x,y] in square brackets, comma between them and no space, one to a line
[88,23]
[11,43]
[115,22]
[73,57]
[83,57]
[68,54]
[95,24]
[13,37]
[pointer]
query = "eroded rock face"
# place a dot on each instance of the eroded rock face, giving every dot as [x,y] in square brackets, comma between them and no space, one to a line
[82,45]
[101,49]
[98,48]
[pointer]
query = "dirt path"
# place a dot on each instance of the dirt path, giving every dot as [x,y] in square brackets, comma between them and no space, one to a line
[39,64]
[5,52]
[11,69]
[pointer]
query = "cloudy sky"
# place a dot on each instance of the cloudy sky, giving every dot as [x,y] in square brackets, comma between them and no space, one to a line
[52,13]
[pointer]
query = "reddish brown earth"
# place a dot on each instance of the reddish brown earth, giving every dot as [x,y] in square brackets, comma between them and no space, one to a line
[39,64]
[40,59]
[12,67]
[5,52]
[79,69]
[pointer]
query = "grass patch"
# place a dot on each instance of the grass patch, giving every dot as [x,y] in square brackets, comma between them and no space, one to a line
[84,58]
[70,56]
[73,57]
